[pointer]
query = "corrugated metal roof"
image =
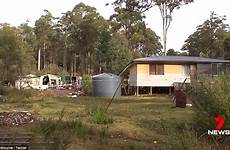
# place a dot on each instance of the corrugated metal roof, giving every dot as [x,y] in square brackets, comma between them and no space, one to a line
[179,59]
[105,75]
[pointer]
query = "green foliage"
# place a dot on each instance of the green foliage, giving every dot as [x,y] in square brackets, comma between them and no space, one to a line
[227,46]
[84,34]
[172,52]
[150,43]
[3,90]
[101,116]
[208,40]
[87,84]
[129,17]
[79,42]
[14,54]
[53,69]
[211,98]
[118,55]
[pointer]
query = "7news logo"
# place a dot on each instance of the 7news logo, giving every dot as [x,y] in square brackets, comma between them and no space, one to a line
[220,123]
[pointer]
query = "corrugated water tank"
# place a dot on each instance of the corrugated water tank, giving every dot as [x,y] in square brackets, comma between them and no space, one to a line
[105,84]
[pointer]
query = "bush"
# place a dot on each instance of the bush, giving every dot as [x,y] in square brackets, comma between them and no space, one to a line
[53,69]
[211,98]
[2,90]
[87,84]
[101,116]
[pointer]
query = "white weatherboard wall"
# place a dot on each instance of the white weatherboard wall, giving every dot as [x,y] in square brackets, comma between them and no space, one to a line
[166,80]
[139,76]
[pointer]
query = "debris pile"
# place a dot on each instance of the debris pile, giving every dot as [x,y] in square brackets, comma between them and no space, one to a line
[76,94]
[15,118]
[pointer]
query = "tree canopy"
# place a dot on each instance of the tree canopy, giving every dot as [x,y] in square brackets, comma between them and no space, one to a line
[81,41]
[15,53]
[208,39]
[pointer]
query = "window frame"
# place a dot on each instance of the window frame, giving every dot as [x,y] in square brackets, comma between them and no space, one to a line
[159,69]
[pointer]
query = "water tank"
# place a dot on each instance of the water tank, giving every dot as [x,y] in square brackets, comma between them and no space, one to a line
[105,84]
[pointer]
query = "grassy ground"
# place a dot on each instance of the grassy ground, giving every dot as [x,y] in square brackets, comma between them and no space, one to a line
[138,122]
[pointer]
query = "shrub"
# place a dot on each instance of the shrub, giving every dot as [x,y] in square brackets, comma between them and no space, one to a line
[2,90]
[87,84]
[101,116]
[53,69]
[211,98]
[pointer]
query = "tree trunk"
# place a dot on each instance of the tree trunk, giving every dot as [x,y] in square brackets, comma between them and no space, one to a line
[44,55]
[39,59]
[44,59]
[82,62]
[90,65]
[65,56]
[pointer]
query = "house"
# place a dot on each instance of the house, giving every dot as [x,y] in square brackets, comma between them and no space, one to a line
[155,72]
[38,82]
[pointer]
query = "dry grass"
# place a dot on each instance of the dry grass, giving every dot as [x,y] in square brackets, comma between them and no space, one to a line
[137,121]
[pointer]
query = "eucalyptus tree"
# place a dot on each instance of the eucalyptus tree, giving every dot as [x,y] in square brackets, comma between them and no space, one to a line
[227,46]
[14,55]
[43,29]
[85,29]
[129,19]
[64,26]
[118,54]
[208,39]
[28,37]
[166,8]
[128,13]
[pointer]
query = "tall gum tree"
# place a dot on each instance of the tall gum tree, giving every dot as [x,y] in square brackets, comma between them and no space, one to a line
[128,19]
[166,8]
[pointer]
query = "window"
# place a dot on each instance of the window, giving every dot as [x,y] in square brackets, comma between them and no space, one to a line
[152,69]
[205,69]
[156,69]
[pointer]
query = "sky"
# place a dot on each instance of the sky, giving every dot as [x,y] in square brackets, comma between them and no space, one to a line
[184,23]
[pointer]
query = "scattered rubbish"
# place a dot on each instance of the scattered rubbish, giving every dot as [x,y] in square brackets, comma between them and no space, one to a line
[15,118]
[76,94]
[189,105]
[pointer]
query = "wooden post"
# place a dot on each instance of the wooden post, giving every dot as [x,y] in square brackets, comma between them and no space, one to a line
[151,90]
[137,91]
[170,90]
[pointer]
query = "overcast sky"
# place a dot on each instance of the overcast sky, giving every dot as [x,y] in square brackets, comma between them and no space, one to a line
[185,20]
